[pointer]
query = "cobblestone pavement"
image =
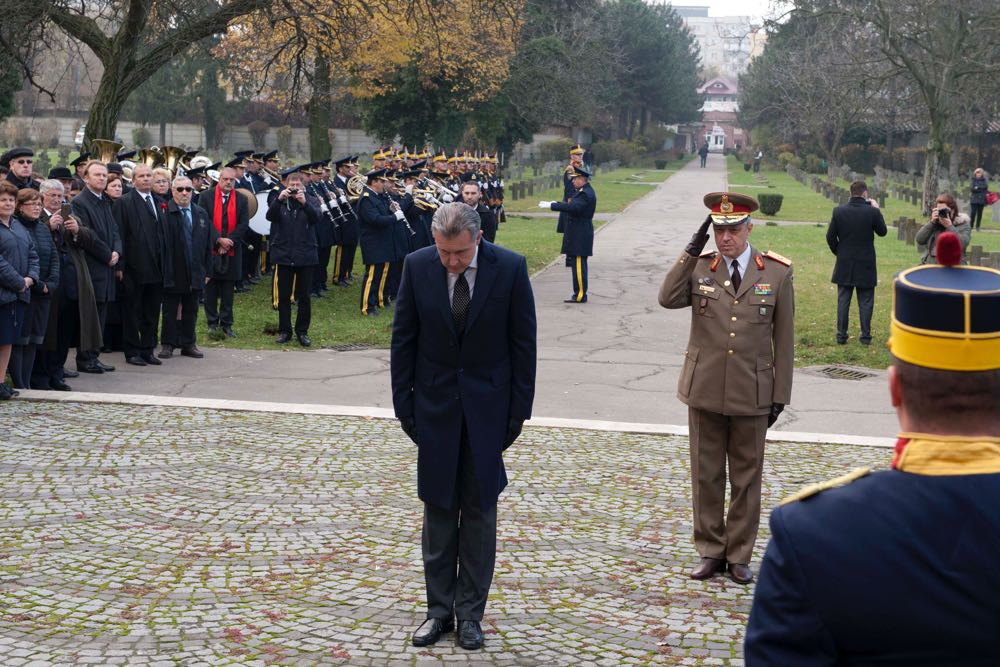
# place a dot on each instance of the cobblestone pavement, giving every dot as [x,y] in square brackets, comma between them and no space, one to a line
[174,536]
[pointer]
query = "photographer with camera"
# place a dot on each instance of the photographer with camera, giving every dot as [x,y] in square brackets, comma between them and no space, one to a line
[944,218]
[295,254]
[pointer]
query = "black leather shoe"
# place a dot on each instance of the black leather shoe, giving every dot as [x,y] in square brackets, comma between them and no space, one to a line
[166,352]
[150,359]
[229,332]
[67,373]
[470,635]
[59,385]
[192,352]
[283,338]
[304,340]
[372,313]
[88,368]
[573,300]
[135,360]
[431,630]
[740,573]
[6,393]
[107,368]
[708,568]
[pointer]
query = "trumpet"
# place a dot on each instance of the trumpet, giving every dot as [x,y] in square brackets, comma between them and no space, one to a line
[439,189]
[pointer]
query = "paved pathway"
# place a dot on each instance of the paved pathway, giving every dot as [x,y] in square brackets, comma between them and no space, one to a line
[615,358]
[177,536]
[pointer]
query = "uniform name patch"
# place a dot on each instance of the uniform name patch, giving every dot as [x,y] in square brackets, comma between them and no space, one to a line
[762,289]
[706,288]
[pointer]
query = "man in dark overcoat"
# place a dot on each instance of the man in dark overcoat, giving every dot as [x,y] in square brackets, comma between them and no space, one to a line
[141,217]
[897,567]
[229,213]
[189,242]
[578,233]
[851,237]
[92,209]
[463,382]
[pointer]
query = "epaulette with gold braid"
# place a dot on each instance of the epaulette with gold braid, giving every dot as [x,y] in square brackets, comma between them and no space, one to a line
[770,254]
[709,253]
[813,489]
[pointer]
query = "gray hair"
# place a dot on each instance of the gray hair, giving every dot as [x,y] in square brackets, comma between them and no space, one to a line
[450,220]
[179,179]
[51,185]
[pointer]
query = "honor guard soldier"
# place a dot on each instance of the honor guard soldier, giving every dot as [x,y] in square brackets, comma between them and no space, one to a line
[578,234]
[737,375]
[377,224]
[575,162]
[898,567]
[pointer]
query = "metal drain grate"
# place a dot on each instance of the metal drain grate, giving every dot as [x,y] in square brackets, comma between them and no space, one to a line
[350,347]
[840,373]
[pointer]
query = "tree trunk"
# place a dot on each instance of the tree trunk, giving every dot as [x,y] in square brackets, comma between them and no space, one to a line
[319,111]
[163,132]
[932,164]
[108,102]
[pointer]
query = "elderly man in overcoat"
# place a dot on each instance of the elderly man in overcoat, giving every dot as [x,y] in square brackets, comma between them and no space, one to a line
[463,382]
[851,237]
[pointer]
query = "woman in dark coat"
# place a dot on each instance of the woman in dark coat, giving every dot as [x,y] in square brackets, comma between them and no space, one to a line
[18,272]
[36,317]
[977,198]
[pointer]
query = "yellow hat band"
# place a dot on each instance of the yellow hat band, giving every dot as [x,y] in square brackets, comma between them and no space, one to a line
[931,349]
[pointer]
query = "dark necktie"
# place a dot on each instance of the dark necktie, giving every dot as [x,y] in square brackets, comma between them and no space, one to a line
[460,303]
[735,275]
[188,244]
[149,202]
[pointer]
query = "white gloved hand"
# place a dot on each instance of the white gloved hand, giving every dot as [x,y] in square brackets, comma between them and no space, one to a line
[400,215]
[447,198]
[409,189]
[545,205]
[343,199]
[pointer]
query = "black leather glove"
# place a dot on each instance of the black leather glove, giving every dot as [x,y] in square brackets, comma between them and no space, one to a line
[513,430]
[699,239]
[776,409]
[409,426]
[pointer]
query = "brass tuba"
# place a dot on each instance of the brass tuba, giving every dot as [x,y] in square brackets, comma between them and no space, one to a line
[105,150]
[151,157]
[172,157]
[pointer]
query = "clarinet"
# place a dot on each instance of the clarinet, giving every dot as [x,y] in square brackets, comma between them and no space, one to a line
[332,204]
[322,204]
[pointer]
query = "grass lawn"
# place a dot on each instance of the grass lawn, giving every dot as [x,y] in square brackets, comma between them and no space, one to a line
[800,203]
[816,296]
[336,318]
[615,189]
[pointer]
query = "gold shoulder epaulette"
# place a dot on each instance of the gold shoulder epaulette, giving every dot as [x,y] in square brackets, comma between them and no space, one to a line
[708,253]
[813,489]
[364,194]
[770,254]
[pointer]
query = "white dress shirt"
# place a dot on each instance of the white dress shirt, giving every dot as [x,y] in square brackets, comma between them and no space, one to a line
[470,277]
[743,261]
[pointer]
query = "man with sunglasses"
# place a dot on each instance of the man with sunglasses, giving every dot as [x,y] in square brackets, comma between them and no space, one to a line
[189,240]
[18,162]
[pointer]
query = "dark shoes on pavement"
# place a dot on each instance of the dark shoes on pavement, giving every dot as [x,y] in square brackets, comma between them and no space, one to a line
[192,352]
[67,373]
[740,573]
[572,299]
[89,368]
[135,360]
[708,568]
[431,630]
[470,635]
[166,352]
[150,359]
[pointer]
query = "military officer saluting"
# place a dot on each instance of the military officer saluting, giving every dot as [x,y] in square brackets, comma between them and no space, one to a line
[898,567]
[578,231]
[737,375]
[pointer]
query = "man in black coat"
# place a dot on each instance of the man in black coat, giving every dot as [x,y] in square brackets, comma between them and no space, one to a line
[189,242]
[141,217]
[578,231]
[463,381]
[229,213]
[294,252]
[851,237]
[472,195]
[92,209]
[18,162]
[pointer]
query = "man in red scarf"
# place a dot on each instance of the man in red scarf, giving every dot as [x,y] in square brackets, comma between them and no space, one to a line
[898,567]
[230,215]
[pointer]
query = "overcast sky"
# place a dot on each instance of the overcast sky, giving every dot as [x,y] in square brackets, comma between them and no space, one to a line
[754,8]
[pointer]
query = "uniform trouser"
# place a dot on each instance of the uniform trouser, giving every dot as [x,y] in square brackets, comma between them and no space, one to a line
[716,439]
[301,277]
[373,289]
[87,357]
[179,332]
[251,258]
[866,304]
[395,277]
[343,261]
[578,266]
[459,548]
[140,315]
[219,303]
[319,272]
[976,211]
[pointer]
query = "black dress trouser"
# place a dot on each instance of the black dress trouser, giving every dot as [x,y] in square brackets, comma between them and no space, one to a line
[140,315]
[459,548]
[301,278]
[180,332]
[866,305]
[219,303]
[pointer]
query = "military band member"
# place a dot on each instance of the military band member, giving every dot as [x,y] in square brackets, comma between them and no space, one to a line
[377,225]
[401,233]
[737,375]
[79,163]
[378,159]
[343,260]
[271,165]
[896,567]
[325,230]
[578,235]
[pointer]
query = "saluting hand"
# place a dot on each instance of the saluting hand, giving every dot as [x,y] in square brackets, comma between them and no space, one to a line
[700,238]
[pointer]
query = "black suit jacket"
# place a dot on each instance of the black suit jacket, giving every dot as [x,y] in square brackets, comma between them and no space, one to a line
[228,267]
[95,214]
[481,379]
[181,276]
[851,237]
[141,233]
